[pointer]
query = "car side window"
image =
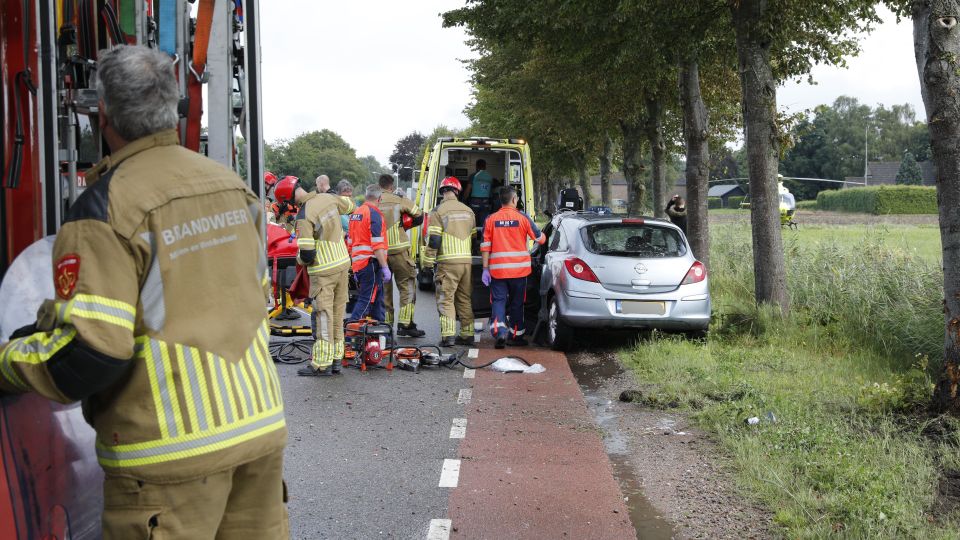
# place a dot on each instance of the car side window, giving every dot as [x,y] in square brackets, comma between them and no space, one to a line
[559,241]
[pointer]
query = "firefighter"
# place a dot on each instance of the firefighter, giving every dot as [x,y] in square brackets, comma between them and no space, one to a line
[321,249]
[269,180]
[175,378]
[285,212]
[400,214]
[452,226]
[368,250]
[506,265]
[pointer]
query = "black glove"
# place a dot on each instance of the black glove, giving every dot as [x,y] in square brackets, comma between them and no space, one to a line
[27,330]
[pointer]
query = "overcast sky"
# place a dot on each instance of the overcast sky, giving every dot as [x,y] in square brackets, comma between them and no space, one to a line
[375,70]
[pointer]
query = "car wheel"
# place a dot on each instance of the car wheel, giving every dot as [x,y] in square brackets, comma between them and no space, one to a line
[559,335]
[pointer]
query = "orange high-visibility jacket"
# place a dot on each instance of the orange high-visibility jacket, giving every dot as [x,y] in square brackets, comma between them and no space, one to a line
[367,234]
[505,236]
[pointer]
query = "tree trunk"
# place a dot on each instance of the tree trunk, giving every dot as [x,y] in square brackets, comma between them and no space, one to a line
[759,90]
[696,129]
[658,148]
[606,164]
[937,39]
[583,177]
[633,165]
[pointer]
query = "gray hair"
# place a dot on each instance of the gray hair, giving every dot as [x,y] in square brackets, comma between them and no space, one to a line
[373,192]
[138,89]
[344,185]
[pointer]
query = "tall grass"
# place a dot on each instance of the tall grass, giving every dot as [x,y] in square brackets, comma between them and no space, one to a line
[840,387]
[876,294]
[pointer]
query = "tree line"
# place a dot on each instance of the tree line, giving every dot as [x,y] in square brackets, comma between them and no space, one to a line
[588,82]
[311,154]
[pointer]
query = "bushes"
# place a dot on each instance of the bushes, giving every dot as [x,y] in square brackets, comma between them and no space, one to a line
[806,205]
[714,203]
[734,201]
[881,200]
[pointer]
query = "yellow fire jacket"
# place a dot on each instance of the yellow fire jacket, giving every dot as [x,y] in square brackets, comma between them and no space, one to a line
[159,323]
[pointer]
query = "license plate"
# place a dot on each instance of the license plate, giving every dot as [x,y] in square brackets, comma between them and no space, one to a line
[634,307]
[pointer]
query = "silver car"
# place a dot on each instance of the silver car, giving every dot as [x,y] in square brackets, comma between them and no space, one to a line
[606,272]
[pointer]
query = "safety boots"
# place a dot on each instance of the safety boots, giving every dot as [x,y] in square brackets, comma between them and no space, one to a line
[448,341]
[310,371]
[464,340]
[409,330]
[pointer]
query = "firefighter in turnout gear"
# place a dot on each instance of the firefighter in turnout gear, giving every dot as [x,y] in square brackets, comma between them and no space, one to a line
[400,214]
[452,226]
[321,249]
[175,377]
[506,265]
[368,251]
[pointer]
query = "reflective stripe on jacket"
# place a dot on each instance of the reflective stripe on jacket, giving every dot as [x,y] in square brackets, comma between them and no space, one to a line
[159,325]
[452,226]
[393,207]
[505,235]
[320,234]
[367,234]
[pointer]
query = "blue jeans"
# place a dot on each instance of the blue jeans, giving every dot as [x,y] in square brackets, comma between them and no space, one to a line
[370,296]
[507,296]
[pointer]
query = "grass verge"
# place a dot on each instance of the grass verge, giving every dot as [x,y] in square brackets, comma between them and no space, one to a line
[843,446]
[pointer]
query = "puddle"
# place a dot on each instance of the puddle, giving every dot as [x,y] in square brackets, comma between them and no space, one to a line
[647,520]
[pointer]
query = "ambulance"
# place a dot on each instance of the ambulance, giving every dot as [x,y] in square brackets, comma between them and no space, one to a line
[508,162]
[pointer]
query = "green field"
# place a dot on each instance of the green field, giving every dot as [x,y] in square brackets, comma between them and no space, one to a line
[920,241]
[845,446]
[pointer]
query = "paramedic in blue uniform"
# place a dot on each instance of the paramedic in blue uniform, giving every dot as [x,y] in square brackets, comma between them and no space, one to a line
[478,190]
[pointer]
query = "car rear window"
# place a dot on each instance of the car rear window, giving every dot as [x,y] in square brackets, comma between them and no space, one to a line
[633,240]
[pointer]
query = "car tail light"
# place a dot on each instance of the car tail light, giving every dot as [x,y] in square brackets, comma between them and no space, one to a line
[632,221]
[696,274]
[580,270]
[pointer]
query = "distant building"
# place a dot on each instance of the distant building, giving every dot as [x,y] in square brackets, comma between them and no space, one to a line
[885,173]
[726,191]
[618,188]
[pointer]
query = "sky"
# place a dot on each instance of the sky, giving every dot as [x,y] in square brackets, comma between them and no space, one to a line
[375,70]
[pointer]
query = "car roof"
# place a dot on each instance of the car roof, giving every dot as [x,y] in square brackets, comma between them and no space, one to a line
[594,218]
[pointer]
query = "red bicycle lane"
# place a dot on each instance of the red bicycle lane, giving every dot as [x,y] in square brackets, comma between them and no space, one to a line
[532,461]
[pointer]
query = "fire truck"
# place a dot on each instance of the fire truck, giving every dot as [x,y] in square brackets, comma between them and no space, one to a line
[49,477]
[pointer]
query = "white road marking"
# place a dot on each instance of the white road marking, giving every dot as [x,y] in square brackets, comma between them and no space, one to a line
[469,373]
[459,428]
[439,529]
[465,395]
[473,353]
[450,474]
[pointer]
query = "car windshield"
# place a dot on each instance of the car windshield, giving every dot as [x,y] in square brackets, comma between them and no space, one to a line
[633,240]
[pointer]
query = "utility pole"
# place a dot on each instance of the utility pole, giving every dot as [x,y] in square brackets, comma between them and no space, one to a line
[866,153]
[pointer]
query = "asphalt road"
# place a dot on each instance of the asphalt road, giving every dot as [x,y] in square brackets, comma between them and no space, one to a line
[366,449]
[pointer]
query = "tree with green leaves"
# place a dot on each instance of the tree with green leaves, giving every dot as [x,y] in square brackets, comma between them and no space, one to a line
[829,142]
[909,173]
[936,38]
[311,154]
[403,160]
[777,40]
[374,169]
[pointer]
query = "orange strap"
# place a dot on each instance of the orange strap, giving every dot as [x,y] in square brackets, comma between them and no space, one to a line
[201,42]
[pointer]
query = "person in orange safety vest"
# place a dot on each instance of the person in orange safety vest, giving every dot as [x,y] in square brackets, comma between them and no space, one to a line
[506,265]
[368,251]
